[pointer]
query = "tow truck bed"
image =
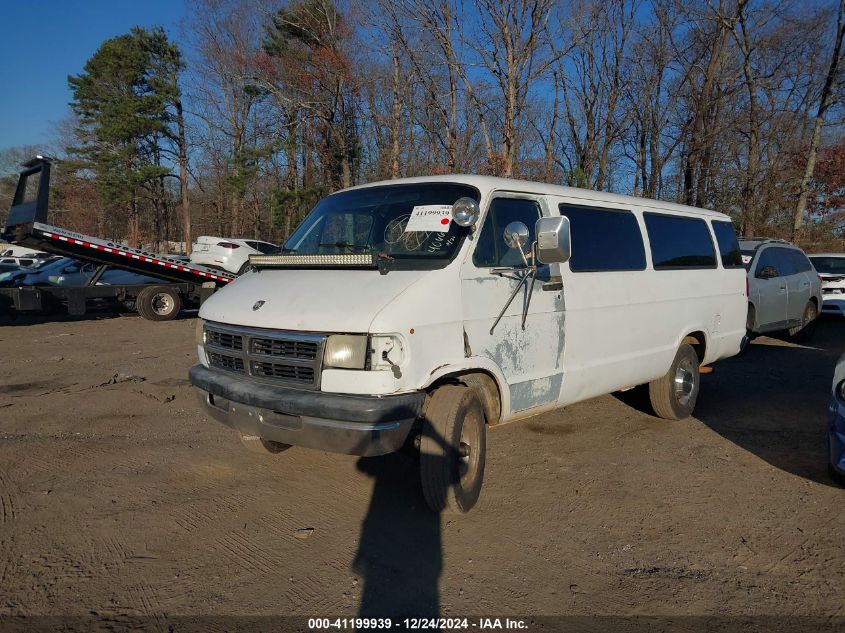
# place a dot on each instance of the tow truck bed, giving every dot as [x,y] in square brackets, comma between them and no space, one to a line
[26,225]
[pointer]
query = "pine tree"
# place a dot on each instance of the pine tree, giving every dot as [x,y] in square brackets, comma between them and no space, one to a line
[131,130]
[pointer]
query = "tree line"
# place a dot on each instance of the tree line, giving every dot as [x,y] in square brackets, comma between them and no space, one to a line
[257,108]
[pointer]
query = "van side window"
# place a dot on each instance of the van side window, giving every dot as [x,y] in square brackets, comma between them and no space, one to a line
[491,249]
[604,239]
[728,244]
[679,242]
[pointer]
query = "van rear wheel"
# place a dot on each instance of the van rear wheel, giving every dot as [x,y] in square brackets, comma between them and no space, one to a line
[673,395]
[453,449]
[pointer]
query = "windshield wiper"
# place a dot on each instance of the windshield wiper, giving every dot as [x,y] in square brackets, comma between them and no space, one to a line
[352,247]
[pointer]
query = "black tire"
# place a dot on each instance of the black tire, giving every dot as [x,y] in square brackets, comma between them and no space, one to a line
[453,449]
[673,395]
[255,444]
[803,332]
[836,476]
[245,267]
[749,331]
[158,303]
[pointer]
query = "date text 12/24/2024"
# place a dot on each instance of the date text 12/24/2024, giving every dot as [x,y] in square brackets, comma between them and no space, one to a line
[481,624]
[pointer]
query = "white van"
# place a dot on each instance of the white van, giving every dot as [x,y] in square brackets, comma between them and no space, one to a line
[416,312]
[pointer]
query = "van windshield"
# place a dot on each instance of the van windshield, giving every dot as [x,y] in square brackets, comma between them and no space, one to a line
[376,220]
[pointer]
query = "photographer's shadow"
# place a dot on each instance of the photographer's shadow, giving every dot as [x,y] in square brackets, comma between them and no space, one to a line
[399,552]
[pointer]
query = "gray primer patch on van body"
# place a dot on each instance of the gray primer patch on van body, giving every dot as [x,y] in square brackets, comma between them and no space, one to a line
[533,393]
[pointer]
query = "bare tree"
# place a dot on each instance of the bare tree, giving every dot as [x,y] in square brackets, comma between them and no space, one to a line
[826,99]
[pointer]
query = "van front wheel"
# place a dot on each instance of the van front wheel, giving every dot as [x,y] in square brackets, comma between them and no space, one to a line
[673,395]
[452,449]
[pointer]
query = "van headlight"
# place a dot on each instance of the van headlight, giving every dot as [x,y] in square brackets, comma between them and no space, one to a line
[346,351]
[388,351]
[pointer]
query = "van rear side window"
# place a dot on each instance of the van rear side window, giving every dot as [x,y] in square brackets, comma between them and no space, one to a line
[604,239]
[679,242]
[728,244]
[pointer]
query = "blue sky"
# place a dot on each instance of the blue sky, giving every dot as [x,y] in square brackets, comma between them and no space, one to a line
[44,42]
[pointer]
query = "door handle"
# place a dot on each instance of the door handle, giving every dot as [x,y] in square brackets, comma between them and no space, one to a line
[782,287]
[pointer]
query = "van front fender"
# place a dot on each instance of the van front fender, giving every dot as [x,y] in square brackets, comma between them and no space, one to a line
[475,364]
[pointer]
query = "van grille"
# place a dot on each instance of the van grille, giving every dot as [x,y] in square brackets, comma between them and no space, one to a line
[306,350]
[266,355]
[224,340]
[285,372]
[229,363]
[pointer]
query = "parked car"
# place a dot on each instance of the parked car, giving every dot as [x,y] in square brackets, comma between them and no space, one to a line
[119,277]
[784,290]
[228,254]
[414,313]
[831,269]
[16,273]
[836,425]
[53,272]
[22,261]
[6,267]
[14,250]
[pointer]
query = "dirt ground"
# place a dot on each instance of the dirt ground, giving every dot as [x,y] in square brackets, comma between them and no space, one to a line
[118,498]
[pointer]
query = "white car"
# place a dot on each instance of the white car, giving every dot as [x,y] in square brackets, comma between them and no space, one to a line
[229,254]
[13,250]
[831,269]
[413,313]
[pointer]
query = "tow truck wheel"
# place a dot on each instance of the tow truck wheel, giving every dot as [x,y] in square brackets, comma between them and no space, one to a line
[158,303]
[452,449]
[255,444]
[673,395]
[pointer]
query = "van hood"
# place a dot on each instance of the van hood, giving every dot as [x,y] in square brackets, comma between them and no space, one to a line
[307,300]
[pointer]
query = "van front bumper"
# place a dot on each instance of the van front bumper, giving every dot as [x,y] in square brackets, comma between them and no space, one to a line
[341,423]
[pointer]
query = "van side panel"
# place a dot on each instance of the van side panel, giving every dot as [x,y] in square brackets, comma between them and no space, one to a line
[624,327]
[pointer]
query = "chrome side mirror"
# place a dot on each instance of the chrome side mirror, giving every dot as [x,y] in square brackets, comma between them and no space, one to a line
[517,236]
[553,243]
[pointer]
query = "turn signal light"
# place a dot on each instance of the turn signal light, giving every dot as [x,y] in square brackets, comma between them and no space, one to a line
[228,245]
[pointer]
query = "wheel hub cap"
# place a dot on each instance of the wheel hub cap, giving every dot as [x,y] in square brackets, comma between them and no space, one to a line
[684,383]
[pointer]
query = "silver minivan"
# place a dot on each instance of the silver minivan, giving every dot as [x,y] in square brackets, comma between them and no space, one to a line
[784,290]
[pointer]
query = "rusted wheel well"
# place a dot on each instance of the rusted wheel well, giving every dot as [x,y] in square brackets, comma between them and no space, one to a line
[698,342]
[485,387]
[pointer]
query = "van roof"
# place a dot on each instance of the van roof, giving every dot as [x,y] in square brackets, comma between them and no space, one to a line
[487,184]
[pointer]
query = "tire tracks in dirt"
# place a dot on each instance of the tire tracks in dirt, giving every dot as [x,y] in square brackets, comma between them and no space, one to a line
[8,499]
